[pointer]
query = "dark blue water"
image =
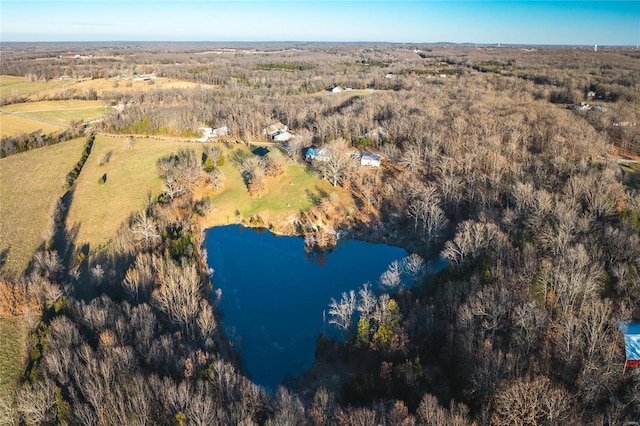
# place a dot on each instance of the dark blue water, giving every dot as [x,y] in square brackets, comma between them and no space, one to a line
[274,295]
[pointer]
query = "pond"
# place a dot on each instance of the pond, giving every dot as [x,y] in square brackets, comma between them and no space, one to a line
[274,294]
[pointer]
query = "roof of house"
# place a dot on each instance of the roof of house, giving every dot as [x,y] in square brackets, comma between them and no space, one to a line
[370,156]
[314,153]
[275,128]
[631,331]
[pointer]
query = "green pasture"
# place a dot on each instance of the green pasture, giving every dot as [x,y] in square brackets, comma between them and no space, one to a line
[30,182]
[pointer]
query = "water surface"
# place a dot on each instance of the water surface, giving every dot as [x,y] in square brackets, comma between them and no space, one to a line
[274,294]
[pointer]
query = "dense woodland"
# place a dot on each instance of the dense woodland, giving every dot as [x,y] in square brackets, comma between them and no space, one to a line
[483,163]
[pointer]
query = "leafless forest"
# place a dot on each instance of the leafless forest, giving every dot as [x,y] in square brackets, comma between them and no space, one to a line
[505,161]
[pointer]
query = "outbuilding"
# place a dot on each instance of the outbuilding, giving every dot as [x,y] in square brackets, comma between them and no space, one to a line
[369,159]
[631,332]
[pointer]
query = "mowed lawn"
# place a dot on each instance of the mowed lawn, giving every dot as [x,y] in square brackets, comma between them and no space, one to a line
[59,111]
[99,210]
[13,125]
[18,86]
[30,182]
[282,201]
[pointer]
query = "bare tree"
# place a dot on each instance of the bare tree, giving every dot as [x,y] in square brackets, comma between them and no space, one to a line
[391,278]
[180,172]
[215,179]
[528,402]
[473,239]
[414,267]
[342,312]
[178,294]
[145,231]
[336,164]
[431,413]
[36,402]
[48,262]
[367,301]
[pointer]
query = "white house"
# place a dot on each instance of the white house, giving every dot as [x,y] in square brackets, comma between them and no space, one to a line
[274,128]
[369,159]
[277,132]
[220,131]
[281,136]
[206,134]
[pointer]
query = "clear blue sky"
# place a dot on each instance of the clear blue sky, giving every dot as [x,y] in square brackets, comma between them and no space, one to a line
[526,22]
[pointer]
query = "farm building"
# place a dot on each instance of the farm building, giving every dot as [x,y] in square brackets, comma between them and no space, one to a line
[631,332]
[369,159]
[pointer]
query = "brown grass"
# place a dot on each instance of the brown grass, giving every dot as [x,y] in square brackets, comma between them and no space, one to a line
[13,125]
[18,86]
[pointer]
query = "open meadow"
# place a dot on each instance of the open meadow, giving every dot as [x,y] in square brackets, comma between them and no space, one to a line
[62,112]
[30,182]
[105,86]
[130,175]
[14,125]
[19,86]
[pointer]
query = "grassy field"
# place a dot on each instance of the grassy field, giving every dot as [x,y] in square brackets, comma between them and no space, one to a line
[99,210]
[29,184]
[14,86]
[60,111]
[13,336]
[17,86]
[13,125]
[106,85]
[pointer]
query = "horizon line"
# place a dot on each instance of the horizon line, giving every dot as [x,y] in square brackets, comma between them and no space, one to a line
[494,44]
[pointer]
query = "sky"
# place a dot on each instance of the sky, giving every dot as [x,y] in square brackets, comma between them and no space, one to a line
[475,21]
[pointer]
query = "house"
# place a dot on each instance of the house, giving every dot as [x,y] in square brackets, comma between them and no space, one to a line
[220,132]
[631,332]
[369,159]
[275,128]
[277,132]
[281,137]
[317,154]
[144,77]
[206,134]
